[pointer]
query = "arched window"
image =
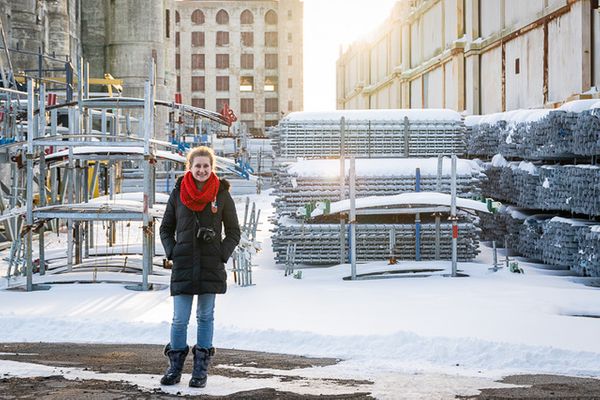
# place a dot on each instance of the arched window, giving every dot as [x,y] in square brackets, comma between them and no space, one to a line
[246,17]
[177,17]
[197,17]
[222,17]
[271,18]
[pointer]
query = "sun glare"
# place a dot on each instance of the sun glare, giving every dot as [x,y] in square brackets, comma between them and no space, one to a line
[329,24]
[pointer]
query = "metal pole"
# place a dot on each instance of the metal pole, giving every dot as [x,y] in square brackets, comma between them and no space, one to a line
[148,131]
[29,157]
[342,189]
[406,137]
[352,219]
[438,230]
[453,217]
[42,229]
[42,176]
[418,218]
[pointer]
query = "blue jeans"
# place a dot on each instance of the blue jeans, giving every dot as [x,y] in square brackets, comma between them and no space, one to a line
[204,317]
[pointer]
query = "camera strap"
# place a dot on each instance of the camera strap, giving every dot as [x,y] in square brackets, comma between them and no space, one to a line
[212,220]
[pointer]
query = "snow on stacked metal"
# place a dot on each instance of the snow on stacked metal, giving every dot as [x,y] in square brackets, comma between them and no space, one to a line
[530,242]
[302,182]
[309,181]
[571,130]
[370,134]
[572,188]
[514,182]
[560,240]
[587,132]
[587,261]
[545,140]
[503,226]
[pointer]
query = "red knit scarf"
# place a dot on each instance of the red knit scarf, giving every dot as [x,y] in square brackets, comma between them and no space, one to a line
[195,199]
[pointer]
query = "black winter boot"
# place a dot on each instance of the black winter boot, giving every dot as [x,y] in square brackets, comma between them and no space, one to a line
[202,358]
[176,360]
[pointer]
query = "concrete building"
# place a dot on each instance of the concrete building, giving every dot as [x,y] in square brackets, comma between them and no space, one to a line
[247,54]
[481,56]
[51,27]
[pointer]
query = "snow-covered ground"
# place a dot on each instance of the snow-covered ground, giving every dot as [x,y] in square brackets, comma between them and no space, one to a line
[474,329]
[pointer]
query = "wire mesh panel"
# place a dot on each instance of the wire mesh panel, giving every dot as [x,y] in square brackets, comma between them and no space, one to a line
[320,243]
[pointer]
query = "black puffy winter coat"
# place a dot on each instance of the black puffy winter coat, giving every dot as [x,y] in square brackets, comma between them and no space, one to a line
[199,265]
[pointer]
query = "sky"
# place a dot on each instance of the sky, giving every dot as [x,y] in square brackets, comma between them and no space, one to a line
[327,25]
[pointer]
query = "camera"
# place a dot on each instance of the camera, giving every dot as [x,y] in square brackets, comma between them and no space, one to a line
[206,234]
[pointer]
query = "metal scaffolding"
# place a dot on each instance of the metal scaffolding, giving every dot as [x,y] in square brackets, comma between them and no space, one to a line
[69,163]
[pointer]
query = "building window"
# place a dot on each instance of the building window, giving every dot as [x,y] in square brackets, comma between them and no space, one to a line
[271,61]
[290,105]
[271,18]
[222,17]
[517,66]
[197,17]
[247,39]
[222,83]
[247,61]
[289,35]
[177,39]
[168,23]
[246,84]
[178,83]
[289,14]
[200,103]
[177,61]
[177,17]
[246,18]
[197,39]
[270,84]
[271,105]
[289,60]
[197,84]
[222,38]
[271,39]
[197,61]
[221,103]
[247,106]
[222,61]
[290,85]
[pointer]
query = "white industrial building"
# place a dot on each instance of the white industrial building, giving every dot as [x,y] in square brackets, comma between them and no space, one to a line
[474,55]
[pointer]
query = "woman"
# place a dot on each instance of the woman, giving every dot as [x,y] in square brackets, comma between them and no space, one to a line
[199,205]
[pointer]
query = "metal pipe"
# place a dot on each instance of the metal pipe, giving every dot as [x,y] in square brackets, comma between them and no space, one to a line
[454,218]
[29,156]
[342,189]
[352,219]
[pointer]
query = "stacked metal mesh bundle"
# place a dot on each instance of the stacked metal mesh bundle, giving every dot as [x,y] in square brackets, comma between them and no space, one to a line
[511,184]
[503,225]
[320,243]
[552,136]
[586,133]
[572,188]
[536,134]
[294,190]
[587,262]
[368,138]
[530,242]
[484,139]
[560,244]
